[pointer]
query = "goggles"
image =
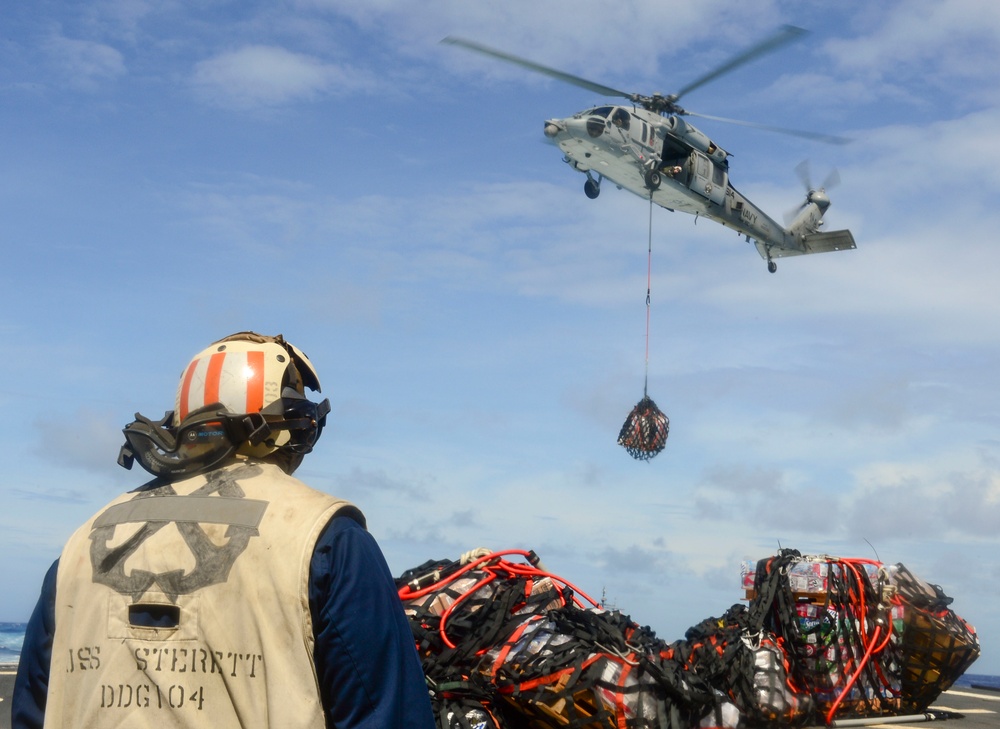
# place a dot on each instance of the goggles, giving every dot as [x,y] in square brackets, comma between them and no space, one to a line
[210,436]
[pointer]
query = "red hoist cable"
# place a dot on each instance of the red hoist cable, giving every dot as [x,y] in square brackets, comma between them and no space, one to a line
[645,431]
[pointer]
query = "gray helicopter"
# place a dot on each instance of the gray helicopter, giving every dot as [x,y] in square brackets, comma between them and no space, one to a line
[647,148]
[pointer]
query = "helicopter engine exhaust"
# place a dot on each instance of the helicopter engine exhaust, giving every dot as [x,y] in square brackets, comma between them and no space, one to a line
[695,137]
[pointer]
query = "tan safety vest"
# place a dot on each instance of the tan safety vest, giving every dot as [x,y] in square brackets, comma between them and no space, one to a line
[223,557]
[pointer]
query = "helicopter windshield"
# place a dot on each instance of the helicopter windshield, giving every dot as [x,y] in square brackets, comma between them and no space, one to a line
[599,111]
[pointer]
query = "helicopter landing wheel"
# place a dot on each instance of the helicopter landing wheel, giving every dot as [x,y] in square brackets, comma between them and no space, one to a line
[591,189]
[772,266]
[653,179]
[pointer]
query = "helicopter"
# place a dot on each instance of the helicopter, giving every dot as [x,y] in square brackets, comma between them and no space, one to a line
[646,147]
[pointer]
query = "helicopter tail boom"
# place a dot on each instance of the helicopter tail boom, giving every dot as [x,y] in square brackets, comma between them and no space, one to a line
[834,240]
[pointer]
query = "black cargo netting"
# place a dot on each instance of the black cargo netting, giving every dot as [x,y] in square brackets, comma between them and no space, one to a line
[508,646]
[645,431]
[937,645]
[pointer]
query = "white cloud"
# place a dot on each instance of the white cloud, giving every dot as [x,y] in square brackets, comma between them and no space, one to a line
[125,19]
[953,498]
[928,31]
[563,33]
[933,42]
[269,76]
[83,64]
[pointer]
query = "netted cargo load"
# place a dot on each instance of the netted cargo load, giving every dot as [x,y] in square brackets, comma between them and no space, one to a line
[459,609]
[831,616]
[507,645]
[587,669]
[937,645]
[530,650]
[864,639]
[644,433]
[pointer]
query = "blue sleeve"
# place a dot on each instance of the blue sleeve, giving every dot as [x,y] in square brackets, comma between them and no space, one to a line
[31,686]
[369,673]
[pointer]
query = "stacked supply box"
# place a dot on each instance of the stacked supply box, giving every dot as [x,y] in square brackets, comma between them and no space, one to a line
[808,579]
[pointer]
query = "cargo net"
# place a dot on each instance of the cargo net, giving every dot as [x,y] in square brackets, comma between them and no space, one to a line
[644,433]
[506,645]
[937,645]
[862,638]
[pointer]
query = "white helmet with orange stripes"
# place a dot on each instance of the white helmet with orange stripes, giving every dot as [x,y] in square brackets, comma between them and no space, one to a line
[243,394]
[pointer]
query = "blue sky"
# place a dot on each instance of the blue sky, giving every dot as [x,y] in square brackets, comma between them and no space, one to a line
[328,170]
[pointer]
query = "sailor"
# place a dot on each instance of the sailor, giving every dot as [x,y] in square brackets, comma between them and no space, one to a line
[224,592]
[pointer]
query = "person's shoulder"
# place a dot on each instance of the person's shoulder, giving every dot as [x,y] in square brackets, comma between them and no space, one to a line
[291,488]
[294,484]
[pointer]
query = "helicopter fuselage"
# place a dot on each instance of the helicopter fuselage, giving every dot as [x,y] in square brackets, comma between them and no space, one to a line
[668,160]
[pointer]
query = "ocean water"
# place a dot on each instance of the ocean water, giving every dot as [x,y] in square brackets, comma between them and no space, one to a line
[978,679]
[11,639]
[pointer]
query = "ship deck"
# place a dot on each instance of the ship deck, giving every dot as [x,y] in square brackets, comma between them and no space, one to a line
[960,708]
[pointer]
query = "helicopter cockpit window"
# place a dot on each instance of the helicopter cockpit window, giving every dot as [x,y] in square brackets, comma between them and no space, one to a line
[596,120]
[621,118]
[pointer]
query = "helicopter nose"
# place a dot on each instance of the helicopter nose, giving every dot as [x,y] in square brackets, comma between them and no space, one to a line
[551,129]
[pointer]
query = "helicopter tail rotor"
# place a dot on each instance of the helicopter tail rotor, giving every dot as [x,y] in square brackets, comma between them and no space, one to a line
[814,195]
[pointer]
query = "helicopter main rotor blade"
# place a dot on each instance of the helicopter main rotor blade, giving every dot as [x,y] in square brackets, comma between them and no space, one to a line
[536,67]
[785,35]
[815,136]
